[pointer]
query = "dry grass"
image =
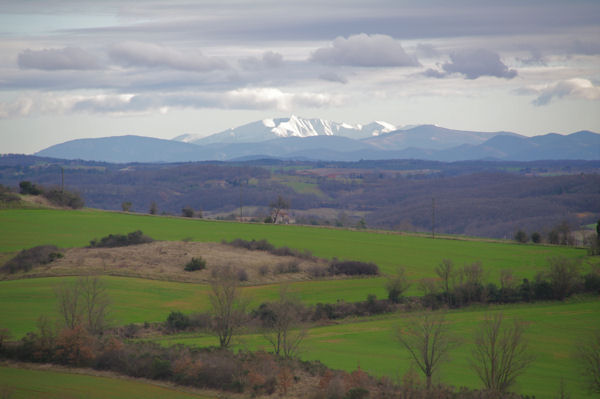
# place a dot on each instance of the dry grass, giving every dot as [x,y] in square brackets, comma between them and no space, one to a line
[165,260]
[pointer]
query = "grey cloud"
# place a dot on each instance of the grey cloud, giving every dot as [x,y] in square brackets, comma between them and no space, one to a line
[333,77]
[364,50]
[140,54]
[585,48]
[573,88]
[245,98]
[536,58]
[474,63]
[427,50]
[268,60]
[57,59]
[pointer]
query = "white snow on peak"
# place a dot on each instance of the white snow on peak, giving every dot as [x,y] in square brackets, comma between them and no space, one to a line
[268,122]
[387,127]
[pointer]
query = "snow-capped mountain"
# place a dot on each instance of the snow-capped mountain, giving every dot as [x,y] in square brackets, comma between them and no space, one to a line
[269,129]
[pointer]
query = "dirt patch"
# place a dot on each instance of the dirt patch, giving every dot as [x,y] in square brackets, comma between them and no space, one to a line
[165,260]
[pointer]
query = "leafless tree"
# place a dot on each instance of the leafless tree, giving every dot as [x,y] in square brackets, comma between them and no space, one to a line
[284,332]
[228,307]
[276,207]
[588,353]
[428,340]
[84,302]
[563,274]
[500,353]
[445,271]
[69,304]
[95,302]
[396,284]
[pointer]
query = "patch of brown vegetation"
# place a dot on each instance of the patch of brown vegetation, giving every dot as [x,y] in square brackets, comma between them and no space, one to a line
[165,260]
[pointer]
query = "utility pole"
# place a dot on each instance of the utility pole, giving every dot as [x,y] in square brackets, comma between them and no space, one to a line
[433,217]
[241,203]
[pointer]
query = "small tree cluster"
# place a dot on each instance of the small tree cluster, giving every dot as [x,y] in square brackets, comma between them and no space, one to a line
[27,259]
[121,240]
[56,196]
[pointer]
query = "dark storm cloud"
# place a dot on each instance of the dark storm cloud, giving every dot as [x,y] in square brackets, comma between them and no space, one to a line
[57,59]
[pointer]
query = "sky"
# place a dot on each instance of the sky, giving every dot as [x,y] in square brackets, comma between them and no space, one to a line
[162,68]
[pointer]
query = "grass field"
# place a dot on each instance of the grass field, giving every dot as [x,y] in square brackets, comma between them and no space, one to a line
[553,331]
[138,300]
[419,255]
[49,384]
[554,327]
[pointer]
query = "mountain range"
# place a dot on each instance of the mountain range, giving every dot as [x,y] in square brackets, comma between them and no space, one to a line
[318,139]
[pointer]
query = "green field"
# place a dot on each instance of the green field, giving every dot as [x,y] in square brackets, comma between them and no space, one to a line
[48,384]
[137,300]
[554,327]
[419,255]
[553,331]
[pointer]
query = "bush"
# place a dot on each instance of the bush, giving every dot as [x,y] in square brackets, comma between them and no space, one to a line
[27,259]
[242,275]
[195,264]
[120,240]
[177,321]
[353,268]
[536,238]
[521,236]
[187,212]
[64,198]
[288,267]
[27,188]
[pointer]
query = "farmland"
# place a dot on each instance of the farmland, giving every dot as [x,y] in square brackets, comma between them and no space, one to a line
[554,327]
[50,384]
[553,331]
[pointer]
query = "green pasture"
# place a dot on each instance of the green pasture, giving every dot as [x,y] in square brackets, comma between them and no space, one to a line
[419,255]
[553,331]
[135,300]
[48,384]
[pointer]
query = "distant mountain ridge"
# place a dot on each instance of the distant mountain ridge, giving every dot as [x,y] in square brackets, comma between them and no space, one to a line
[317,139]
[268,129]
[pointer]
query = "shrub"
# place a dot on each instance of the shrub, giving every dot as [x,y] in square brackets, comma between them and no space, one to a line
[121,240]
[353,268]
[521,236]
[27,188]
[64,198]
[536,238]
[195,264]
[288,267]
[187,212]
[177,321]
[32,257]
[242,275]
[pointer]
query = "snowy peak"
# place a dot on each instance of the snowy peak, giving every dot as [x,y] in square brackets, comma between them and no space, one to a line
[293,126]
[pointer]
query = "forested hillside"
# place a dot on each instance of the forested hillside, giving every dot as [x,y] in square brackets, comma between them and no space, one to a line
[491,199]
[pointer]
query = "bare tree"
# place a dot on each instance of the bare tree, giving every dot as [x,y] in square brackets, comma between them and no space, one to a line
[69,304]
[428,340]
[277,206]
[563,274]
[95,303]
[500,353]
[588,353]
[284,332]
[396,284]
[84,302]
[445,271]
[228,307]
